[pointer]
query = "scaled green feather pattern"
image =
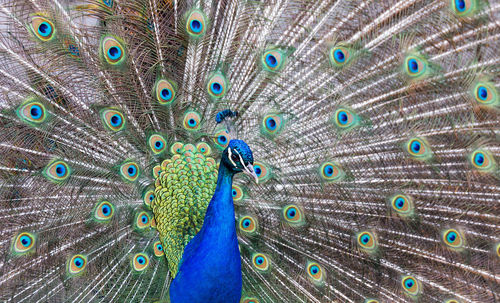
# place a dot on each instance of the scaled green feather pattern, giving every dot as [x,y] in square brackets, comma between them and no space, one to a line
[183,190]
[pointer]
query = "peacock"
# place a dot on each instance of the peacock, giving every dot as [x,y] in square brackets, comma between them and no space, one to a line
[248,151]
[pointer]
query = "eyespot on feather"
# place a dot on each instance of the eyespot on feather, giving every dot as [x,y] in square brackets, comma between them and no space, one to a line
[176,148]
[192,121]
[293,215]
[331,172]
[157,144]
[410,285]
[104,211]
[140,262]
[345,119]
[464,8]
[418,149]
[129,171]
[340,55]
[158,249]
[262,171]
[261,262]
[142,220]
[453,238]
[237,193]
[57,171]
[43,28]
[196,23]
[248,224]
[367,241]
[315,273]
[415,67]
[204,148]
[165,91]
[249,300]
[273,60]
[217,85]
[148,197]
[221,139]
[23,243]
[32,112]
[271,125]
[485,94]
[112,119]
[76,265]
[112,51]
[401,204]
[482,160]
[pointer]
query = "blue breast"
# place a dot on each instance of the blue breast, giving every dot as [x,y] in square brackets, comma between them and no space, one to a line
[210,269]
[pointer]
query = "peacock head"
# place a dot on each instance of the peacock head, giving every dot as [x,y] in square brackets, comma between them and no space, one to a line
[237,157]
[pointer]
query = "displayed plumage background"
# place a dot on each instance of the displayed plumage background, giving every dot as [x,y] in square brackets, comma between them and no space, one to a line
[376,129]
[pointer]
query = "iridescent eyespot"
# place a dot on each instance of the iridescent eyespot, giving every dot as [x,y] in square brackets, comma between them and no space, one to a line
[158,249]
[402,205]
[104,211]
[192,121]
[367,241]
[204,148]
[485,93]
[262,171]
[23,243]
[157,144]
[217,85]
[57,171]
[463,8]
[112,119]
[221,139]
[415,67]
[165,91]
[261,262]
[76,265]
[142,220]
[271,125]
[410,285]
[340,56]
[140,262]
[249,300]
[315,273]
[418,149]
[482,160]
[273,60]
[176,148]
[452,238]
[129,171]
[148,197]
[196,23]
[248,224]
[108,3]
[237,193]
[293,215]
[345,119]
[32,112]
[43,28]
[331,172]
[112,50]
[371,301]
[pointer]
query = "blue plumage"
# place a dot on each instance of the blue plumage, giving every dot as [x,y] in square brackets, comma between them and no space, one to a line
[210,269]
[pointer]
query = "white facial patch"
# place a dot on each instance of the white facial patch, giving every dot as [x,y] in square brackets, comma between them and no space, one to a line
[230,156]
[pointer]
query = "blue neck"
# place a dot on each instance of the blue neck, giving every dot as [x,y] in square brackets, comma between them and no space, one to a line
[211,264]
[220,212]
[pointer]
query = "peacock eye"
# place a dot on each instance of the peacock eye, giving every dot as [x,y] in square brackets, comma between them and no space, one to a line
[234,157]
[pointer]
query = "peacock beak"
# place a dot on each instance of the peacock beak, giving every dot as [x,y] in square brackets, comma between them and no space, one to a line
[249,171]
